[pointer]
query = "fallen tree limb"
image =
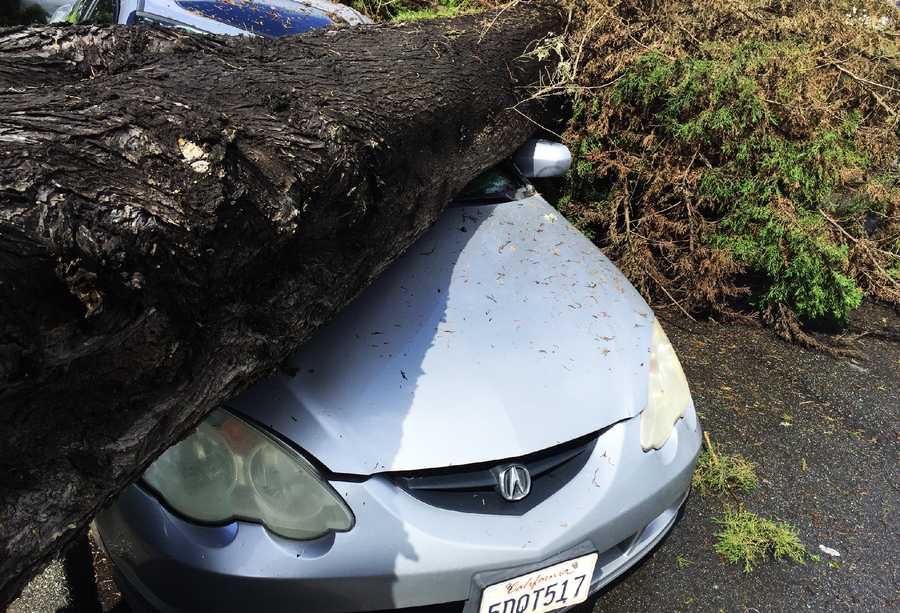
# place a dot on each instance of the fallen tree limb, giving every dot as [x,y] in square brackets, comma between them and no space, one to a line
[179,212]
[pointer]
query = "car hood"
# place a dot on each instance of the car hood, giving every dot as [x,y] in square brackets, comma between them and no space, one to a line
[501,332]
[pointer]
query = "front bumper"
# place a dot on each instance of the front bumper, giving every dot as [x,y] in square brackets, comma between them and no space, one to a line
[402,552]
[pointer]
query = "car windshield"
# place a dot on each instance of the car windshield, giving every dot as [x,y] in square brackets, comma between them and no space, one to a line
[271,18]
[499,184]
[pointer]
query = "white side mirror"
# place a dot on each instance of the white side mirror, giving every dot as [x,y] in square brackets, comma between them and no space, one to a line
[543,159]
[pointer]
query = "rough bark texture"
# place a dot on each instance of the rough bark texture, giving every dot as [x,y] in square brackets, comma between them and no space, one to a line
[178,213]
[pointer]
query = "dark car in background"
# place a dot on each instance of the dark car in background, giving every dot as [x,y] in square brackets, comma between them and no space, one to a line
[270,18]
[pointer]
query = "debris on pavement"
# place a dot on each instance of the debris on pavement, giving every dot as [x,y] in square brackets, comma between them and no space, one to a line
[834,553]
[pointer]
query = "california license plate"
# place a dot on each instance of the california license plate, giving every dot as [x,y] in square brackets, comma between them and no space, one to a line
[549,589]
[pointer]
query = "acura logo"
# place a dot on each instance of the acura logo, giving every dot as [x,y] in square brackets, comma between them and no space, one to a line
[514,482]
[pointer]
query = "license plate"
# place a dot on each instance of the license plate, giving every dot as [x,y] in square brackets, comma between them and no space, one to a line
[549,589]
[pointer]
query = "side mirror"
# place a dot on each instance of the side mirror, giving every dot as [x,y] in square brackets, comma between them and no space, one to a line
[543,159]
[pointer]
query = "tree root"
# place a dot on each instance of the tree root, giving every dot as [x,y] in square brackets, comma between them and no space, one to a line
[787,326]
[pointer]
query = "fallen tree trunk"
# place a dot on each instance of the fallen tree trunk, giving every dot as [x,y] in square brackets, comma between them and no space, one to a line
[178,213]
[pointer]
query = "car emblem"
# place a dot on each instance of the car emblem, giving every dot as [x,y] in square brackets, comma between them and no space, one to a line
[514,482]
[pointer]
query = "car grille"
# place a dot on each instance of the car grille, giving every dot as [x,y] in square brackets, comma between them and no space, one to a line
[472,488]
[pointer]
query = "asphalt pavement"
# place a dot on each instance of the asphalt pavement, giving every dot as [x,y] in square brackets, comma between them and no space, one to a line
[825,435]
[47,592]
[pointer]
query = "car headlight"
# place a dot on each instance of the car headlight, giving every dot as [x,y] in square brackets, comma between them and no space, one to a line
[228,469]
[668,396]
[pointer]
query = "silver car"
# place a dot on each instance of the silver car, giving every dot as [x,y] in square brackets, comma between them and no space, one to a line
[497,425]
[498,422]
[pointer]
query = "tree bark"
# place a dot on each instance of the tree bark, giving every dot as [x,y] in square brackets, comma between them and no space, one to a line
[178,213]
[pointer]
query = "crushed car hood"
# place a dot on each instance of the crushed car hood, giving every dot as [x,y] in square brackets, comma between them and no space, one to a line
[501,332]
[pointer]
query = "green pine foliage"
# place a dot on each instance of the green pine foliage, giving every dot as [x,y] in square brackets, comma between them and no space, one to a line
[413,10]
[742,148]
[722,473]
[746,538]
[766,188]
